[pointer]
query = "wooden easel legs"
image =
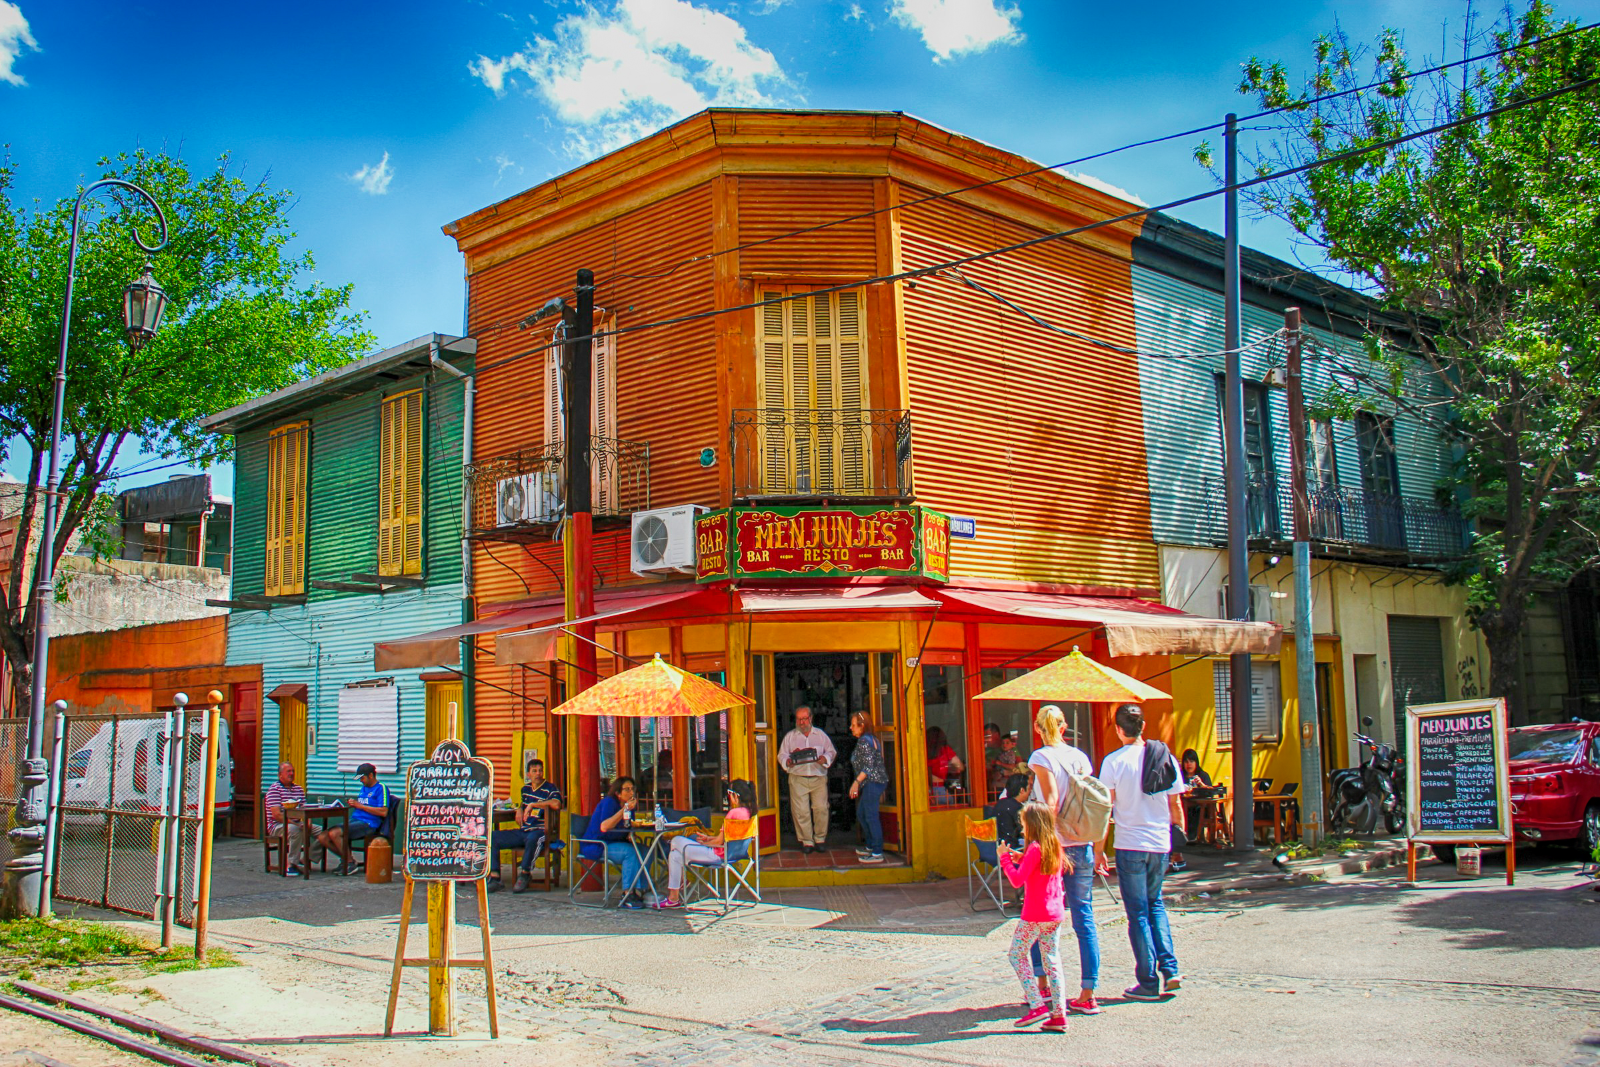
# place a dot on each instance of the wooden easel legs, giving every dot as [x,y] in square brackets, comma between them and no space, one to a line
[445,959]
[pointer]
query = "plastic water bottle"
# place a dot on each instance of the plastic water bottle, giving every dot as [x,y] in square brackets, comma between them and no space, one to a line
[661,819]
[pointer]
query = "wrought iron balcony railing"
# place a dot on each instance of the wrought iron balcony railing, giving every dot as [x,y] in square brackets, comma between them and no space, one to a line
[1417,528]
[805,453]
[527,488]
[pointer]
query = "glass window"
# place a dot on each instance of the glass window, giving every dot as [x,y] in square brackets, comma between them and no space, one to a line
[1380,473]
[944,709]
[708,755]
[764,759]
[1266,700]
[1545,746]
[608,750]
[891,760]
[652,758]
[1320,467]
[888,688]
[1007,732]
[758,690]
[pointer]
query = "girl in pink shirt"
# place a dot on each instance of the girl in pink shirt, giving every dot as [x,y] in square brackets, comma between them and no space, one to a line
[1039,875]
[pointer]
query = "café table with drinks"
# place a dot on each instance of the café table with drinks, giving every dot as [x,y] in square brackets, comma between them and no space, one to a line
[632,841]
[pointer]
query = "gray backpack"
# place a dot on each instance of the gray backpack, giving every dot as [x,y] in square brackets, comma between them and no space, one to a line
[1084,813]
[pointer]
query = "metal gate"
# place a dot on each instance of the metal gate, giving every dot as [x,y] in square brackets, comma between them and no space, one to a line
[1416,666]
[126,794]
[13,743]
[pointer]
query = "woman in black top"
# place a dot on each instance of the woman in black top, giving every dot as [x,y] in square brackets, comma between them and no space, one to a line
[1199,784]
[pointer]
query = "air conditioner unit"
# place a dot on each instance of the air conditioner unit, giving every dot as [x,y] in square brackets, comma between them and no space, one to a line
[527,498]
[1260,603]
[663,540]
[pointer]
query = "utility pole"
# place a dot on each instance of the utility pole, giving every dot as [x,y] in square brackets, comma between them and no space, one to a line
[1244,821]
[578,542]
[1305,651]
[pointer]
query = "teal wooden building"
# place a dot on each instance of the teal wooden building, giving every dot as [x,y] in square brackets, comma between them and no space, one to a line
[1389,629]
[347,530]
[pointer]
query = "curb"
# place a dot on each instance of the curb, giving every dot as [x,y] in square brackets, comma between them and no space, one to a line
[1299,875]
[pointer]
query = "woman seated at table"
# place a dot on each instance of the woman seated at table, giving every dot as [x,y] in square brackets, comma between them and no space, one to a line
[608,824]
[944,768]
[1198,786]
[709,848]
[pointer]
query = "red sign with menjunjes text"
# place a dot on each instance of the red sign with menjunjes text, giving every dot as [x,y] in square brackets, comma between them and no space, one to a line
[782,542]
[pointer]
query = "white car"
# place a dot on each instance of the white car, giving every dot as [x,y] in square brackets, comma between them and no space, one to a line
[133,780]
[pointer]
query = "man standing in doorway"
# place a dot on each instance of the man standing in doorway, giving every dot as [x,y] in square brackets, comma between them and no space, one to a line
[806,755]
[1144,821]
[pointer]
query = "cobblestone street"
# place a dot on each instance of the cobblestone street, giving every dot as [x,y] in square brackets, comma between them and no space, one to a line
[1359,970]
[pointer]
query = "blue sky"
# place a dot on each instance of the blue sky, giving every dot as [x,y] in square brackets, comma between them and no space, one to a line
[389,120]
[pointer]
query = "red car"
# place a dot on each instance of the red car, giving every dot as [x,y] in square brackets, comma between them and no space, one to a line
[1555,783]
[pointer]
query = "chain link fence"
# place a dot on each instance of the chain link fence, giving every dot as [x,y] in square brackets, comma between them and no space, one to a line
[127,821]
[13,743]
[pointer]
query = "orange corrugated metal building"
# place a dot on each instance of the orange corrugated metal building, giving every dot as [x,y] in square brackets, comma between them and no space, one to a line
[855,415]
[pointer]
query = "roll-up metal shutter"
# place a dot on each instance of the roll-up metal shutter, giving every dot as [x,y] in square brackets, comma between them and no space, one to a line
[1416,665]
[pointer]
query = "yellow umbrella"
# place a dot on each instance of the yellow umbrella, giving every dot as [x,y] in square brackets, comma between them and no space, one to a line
[1075,677]
[653,690]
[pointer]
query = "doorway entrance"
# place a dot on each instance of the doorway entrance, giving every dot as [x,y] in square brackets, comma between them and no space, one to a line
[834,685]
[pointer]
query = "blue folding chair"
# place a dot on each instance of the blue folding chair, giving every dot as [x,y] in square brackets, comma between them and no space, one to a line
[740,867]
[983,852]
[590,854]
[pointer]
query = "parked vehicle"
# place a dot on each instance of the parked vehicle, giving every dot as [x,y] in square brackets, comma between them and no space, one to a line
[130,778]
[1555,783]
[1372,794]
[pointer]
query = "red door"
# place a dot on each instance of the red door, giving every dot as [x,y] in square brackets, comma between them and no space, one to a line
[246,758]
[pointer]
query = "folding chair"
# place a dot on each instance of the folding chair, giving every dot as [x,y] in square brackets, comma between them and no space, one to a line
[740,866]
[982,851]
[591,863]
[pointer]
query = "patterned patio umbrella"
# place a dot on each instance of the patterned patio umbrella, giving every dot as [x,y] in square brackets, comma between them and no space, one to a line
[1075,677]
[653,690]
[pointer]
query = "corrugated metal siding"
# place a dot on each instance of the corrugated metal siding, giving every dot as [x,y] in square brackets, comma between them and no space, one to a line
[444,412]
[326,644]
[1182,418]
[769,207]
[1037,435]
[250,512]
[342,495]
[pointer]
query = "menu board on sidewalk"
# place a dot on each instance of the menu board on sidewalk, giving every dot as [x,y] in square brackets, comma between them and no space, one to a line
[447,815]
[1457,788]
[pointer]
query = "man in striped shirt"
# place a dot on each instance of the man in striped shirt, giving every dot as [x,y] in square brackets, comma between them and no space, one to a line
[285,791]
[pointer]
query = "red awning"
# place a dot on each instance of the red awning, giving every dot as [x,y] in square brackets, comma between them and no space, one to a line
[535,644]
[835,598]
[438,648]
[1133,627]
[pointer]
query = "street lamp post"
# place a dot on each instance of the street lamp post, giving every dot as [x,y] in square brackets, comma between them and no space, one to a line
[143,303]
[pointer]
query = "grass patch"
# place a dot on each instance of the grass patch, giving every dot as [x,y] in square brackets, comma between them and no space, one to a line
[90,983]
[29,945]
[178,960]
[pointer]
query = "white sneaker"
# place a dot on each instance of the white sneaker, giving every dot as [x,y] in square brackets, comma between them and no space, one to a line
[872,857]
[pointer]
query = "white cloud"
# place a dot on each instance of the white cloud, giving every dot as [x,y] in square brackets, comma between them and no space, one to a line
[855,14]
[953,27]
[503,163]
[15,38]
[767,7]
[1104,186]
[611,77]
[374,178]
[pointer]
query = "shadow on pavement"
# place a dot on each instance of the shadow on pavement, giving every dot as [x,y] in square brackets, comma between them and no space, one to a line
[931,1027]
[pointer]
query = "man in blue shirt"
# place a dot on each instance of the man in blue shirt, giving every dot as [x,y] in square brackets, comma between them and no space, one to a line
[367,811]
[540,800]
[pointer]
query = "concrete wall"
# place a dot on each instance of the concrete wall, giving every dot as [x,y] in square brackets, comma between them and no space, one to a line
[116,593]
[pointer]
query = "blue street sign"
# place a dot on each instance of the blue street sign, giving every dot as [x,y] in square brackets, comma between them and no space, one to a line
[963,526]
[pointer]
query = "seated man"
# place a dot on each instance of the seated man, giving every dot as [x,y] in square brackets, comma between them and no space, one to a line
[539,800]
[367,812]
[286,793]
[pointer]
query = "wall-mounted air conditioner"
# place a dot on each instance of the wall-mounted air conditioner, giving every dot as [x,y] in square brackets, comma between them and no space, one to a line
[663,540]
[527,498]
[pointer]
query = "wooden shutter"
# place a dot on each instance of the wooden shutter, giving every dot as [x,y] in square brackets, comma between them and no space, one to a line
[286,510]
[812,387]
[388,464]
[400,485]
[554,428]
[603,458]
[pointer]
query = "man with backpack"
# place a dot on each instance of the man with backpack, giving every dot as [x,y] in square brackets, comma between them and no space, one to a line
[1145,805]
[1064,781]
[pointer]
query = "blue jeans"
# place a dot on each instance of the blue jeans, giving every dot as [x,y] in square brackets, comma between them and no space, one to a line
[867,815]
[1079,891]
[623,855]
[527,840]
[1139,876]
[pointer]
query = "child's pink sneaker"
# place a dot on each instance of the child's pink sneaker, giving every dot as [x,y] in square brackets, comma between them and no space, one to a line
[1038,1014]
[1086,1006]
[1054,1025]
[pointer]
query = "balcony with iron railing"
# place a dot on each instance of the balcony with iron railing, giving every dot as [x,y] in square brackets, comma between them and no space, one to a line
[820,453]
[513,495]
[1344,521]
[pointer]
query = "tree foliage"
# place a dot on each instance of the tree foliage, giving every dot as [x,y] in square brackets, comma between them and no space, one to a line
[244,316]
[1482,243]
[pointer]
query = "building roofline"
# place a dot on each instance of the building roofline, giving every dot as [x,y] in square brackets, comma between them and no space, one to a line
[391,364]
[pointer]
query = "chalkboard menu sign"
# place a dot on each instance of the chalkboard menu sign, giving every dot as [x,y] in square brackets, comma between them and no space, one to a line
[447,815]
[1456,772]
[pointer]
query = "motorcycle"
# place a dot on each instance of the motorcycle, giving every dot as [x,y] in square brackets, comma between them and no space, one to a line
[1373,792]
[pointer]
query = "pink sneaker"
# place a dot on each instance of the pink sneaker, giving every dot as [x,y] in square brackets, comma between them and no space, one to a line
[1035,1015]
[1086,1006]
[1054,1025]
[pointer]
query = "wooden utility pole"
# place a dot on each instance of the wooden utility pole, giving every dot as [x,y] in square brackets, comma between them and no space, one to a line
[578,541]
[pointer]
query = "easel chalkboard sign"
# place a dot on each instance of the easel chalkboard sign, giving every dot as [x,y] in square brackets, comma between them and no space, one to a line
[448,797]
[1457,777]
[447,815]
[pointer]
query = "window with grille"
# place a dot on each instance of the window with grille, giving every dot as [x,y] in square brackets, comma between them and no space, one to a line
[287,448]
[811,383]
[400,484]
[1266,701]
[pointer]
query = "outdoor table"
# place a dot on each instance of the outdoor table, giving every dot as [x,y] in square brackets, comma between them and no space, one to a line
[306,814]
[1213,812]
[1276,800]
[652,852]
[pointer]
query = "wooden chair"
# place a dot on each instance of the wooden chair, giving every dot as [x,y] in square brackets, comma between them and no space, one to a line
[388,829]
[271,842]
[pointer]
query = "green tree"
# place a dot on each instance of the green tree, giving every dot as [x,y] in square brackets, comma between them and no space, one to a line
[244,317]
[1482,246]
